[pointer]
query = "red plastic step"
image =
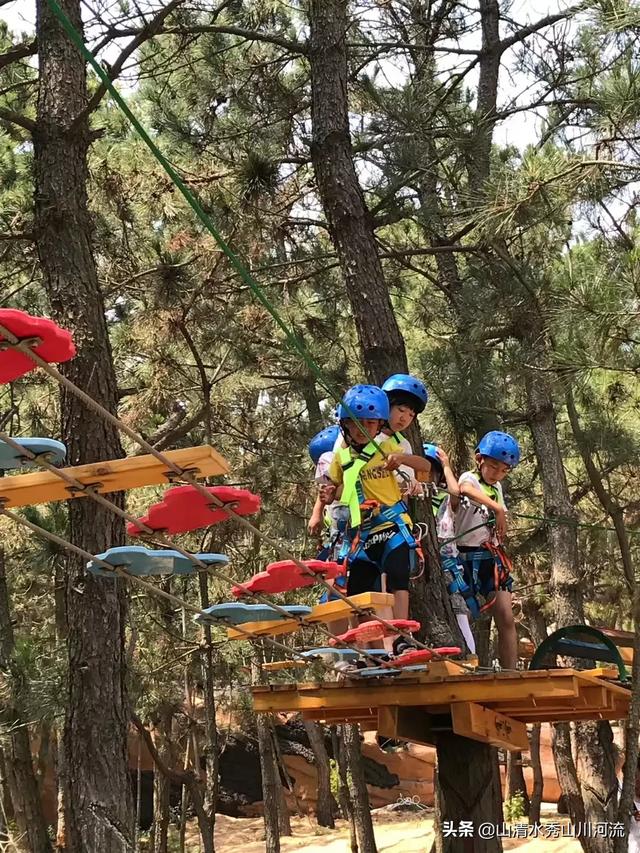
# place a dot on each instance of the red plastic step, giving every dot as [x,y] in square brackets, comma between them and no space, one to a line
[185,508]
[374,630]
[56,343]
[409,658]
[445,651]
[287,575]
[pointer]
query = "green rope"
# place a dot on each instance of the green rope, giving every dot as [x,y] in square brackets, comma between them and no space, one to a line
[572,522]
[290,335]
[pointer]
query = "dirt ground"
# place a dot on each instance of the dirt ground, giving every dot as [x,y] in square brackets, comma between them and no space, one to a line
[395,833]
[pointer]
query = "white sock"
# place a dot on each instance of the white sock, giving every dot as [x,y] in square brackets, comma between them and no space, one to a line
[465,627]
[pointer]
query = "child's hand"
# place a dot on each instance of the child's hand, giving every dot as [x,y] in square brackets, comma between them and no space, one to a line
[314,527]
[394,461]
[501,523]
[442,456]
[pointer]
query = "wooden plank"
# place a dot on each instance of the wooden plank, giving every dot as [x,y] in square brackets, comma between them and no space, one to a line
[483,724]
[332,610]
[263,629]
[277,665]
[114,475]
[411,724]
[401,693]
[588,697]
[350,715]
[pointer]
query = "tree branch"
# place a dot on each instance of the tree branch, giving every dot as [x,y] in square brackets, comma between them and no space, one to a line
[18,52]
[251,35]
[148,31]
[17,118]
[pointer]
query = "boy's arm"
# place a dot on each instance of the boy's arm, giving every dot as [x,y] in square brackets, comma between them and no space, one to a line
[314,526]
[450,479]
[478,496]
[418,463]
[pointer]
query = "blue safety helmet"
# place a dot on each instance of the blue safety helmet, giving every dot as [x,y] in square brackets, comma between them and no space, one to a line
[323,442]
[364,402]
[501,446]
[431,453]
[402,384]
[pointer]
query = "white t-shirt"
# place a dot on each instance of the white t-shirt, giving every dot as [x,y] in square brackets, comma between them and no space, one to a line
[335,511]
[445,527]
[469,515]
[403,447]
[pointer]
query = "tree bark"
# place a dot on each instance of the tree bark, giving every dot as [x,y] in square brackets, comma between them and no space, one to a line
[267,768]
[358,789]
[211,728]
[346,805]
[350,223]
[161,786]
[469,780]
[595,766]
[326,803]
[514,779]
[535,800]
[32,836]
[99,805]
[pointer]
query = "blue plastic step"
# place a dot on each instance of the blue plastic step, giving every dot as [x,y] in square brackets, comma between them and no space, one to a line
[11,458]
[237,613]
[143,562]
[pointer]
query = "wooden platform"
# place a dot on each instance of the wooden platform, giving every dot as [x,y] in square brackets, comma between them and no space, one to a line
[493,708]
[375,602]
[110,476]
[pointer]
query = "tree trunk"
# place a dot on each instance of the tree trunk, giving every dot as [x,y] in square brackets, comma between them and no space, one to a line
[350,223]
[346,805]
[211,728]
[21,779]
[161,784]
[326,802]
[595,765]
[538,779]
[98,802]
[358,789]
[280,773]
[469,780]
[267,767]
[514,778]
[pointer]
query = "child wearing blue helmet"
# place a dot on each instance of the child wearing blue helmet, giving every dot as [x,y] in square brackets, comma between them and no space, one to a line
[379,536]
[321,452]
[445,501]
[408,397]
[486,566]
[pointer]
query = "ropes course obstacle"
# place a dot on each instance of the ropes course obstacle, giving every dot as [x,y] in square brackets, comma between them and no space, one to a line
[411,696]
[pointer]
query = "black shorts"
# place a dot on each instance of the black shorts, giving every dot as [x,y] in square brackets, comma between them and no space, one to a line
[364,576]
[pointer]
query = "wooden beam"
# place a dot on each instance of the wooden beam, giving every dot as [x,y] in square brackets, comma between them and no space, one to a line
[348,715]
[411,724]
[272,628]
[479,723]
[276,665]
[115,475]
[333,610]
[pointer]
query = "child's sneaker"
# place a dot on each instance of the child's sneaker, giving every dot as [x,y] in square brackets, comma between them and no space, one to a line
[402,644]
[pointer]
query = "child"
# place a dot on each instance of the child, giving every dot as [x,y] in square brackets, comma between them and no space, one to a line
[380,535]
[486,567]
[445,503]
[408,397]
[328,519]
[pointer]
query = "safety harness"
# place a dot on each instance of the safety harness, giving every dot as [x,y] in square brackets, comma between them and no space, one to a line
[368,516]
[471,562]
